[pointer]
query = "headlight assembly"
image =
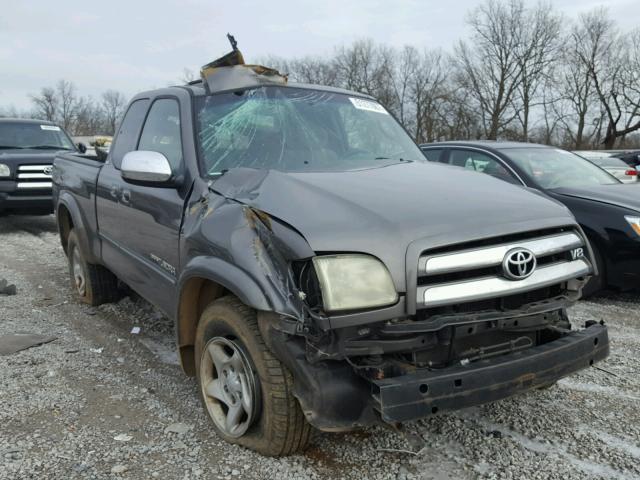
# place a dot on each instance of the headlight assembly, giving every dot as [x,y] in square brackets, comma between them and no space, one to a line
[5,171]
[354,281]
[634,222]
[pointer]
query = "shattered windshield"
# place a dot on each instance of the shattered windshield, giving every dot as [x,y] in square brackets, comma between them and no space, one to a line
[298,130]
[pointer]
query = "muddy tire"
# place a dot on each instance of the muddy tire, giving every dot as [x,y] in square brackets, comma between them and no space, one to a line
[245,390]
[93,284]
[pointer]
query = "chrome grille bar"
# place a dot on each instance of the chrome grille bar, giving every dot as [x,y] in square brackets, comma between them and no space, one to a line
[493,256]
[32,168]
[27,176]
[32,177]
[33,185]
[492,287]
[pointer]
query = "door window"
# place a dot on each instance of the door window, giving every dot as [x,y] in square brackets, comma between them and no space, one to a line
[161,132]
[129,130]
[432,154]
[481,162]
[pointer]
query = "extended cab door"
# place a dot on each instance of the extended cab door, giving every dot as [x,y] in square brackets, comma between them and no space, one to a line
[140,225]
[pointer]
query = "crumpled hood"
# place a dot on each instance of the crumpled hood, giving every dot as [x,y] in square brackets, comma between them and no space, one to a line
[626,195]
[381,211]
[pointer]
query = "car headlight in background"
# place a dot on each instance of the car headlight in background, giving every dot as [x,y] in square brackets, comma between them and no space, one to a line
[5,171]
[354,281]
[634,222]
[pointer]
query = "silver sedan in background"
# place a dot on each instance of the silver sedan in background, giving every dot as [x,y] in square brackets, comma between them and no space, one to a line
[617,168]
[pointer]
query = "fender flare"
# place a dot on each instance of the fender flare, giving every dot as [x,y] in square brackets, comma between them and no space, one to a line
[80,227]
[222,273]
[227,275]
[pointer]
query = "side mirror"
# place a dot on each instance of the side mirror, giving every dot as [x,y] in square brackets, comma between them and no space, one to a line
[82,147]
[147,167]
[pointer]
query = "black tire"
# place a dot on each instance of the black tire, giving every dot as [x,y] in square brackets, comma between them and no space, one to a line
[597,283]
[279,427]
[99,286]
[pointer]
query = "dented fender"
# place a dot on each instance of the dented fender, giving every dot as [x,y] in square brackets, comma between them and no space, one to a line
[245,250]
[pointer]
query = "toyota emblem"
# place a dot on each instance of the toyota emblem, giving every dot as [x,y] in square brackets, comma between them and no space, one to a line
[518,264]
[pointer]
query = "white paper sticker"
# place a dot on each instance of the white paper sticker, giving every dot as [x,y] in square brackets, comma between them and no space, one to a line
[55,128]
[363,104]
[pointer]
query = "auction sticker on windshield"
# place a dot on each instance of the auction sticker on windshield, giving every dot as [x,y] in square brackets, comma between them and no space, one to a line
[55,128]
[362,104]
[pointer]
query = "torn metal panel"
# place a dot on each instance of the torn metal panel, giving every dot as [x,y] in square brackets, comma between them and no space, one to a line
[250,242]
[237,77]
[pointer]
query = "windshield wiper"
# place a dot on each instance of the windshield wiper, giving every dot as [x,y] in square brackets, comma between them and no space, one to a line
[6,147]
[399,159]
[47,147]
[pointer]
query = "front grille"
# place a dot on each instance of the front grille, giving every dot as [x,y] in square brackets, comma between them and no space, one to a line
[33,177]
[474,273]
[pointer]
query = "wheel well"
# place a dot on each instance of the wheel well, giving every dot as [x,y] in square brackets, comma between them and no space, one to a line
[195,296]
[65,225]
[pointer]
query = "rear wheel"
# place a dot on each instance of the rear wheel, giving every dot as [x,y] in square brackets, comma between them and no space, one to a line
[245,390]
[93,284]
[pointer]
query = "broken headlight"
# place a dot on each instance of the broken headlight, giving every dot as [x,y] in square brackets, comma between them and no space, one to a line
[5,171]
[354,281]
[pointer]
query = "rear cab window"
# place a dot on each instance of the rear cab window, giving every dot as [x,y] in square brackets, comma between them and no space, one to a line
[161,131]
[129,131]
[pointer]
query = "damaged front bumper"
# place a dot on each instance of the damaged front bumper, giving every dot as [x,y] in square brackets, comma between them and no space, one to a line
[426,392]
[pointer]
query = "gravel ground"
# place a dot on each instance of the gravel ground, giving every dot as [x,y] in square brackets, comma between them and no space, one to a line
[101,402]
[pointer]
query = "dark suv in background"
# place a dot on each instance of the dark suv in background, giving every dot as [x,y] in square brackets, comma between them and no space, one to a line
[27,149]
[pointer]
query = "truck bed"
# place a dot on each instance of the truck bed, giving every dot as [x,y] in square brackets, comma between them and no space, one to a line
[75,178]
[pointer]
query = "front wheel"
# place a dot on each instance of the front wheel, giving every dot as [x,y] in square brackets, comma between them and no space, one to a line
[245,390]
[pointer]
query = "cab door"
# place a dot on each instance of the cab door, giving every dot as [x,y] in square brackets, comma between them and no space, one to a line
[140,225]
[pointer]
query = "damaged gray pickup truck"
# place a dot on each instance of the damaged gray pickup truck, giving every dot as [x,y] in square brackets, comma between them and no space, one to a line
[318,270]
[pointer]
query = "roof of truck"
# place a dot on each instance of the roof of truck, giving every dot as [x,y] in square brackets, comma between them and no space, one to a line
[198,88]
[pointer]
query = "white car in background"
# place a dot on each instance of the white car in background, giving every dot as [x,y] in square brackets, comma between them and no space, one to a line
[618,168]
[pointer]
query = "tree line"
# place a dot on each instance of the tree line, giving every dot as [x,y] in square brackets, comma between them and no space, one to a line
[522,73]
[77,114]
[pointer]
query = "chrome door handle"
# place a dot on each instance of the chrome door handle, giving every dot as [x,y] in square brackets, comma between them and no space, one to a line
[126,196]
[114,191]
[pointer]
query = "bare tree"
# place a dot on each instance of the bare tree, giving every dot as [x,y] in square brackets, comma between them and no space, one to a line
[67,101]
[365,67]
[539,44]
[488,64]
[113,103]
[46,104]
[429,96]
[605,54]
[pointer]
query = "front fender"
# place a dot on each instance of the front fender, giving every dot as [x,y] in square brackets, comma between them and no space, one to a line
[229,276]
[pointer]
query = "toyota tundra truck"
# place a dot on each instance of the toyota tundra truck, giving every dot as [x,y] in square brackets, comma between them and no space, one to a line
[27,150]
[319,271]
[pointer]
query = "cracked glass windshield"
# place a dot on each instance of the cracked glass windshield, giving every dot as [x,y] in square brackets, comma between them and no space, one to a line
[297,130]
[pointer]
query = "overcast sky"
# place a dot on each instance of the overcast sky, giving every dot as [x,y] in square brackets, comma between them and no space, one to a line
[134,45]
